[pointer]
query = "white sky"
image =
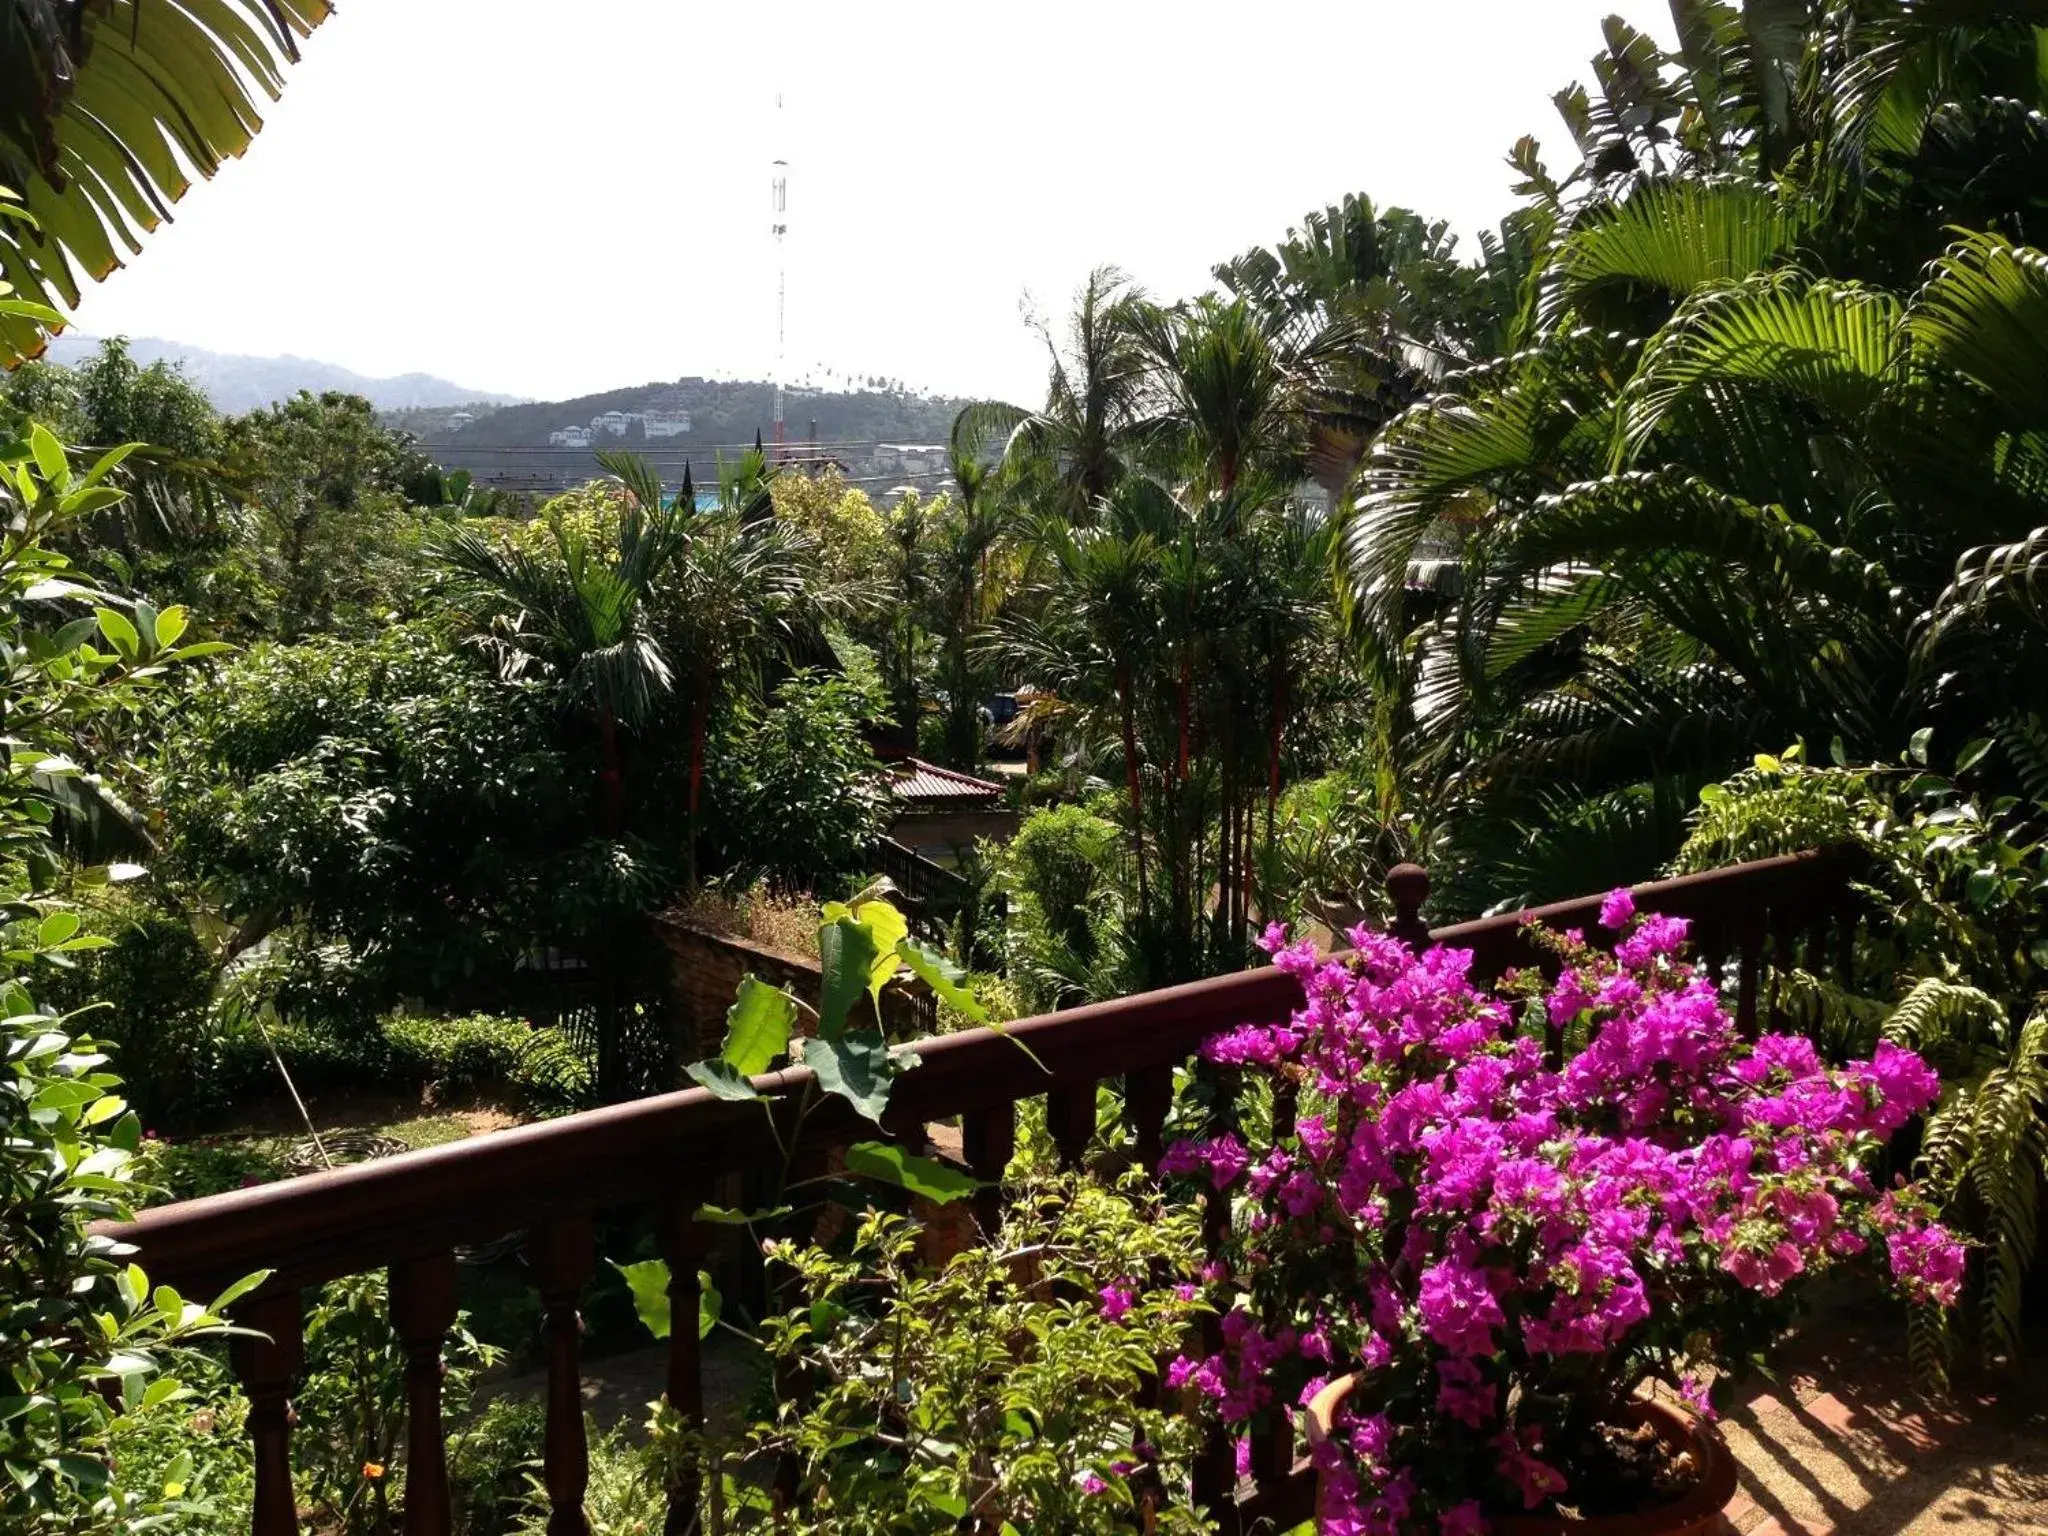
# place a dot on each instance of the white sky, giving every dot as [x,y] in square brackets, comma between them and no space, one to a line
[551,199]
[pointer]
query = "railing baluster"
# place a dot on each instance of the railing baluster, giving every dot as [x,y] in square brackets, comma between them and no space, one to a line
[1070,1115]
[265,1366]
[1148,1095]
[683,1245]
[423,1310]
[1408,885]
[989,1139]
[1215,1472]
[561,1255]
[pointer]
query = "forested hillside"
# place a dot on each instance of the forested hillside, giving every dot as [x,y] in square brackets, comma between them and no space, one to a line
[725,411]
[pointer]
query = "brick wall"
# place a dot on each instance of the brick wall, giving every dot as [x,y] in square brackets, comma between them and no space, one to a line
[704,971]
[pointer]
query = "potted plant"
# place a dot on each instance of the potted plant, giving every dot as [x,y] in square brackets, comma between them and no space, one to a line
[1470,1228]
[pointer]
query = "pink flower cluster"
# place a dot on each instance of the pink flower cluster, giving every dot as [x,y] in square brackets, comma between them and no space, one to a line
[1506,1249]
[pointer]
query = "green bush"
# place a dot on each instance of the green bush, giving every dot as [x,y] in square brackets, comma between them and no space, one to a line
[490,1463]
[450,1057]
[155,982]
[189,1170]
[794,790]
[553,1077]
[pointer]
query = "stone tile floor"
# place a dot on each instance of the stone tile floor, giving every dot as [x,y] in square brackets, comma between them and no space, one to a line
[1844,1445]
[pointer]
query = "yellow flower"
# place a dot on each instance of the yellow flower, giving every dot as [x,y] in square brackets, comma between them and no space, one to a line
[373,1470]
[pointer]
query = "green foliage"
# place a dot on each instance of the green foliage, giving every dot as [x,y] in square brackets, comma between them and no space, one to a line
[206,1165]
[1059,872]
[1006,1387]
[76,1320]
[386,793]
[454,1057]
[334,545]
[491,1460]
[349,1449]
[156,981]
[795,787]
[1950,955]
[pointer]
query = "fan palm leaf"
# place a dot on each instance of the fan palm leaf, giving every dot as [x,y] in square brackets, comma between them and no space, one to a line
[108,108]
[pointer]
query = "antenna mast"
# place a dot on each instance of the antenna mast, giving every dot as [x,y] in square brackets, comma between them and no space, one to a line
[780,228]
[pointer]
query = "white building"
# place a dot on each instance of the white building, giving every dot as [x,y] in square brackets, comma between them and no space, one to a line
[665,423]
[459,420]
[610,424]
[569,437]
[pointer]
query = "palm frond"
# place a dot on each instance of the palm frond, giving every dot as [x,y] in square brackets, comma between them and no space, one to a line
[107,110]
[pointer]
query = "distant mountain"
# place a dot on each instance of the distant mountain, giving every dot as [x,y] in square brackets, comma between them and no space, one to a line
[235,383]
[721,413]
[883,438]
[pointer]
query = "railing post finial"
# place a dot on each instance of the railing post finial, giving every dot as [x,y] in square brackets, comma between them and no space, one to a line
[1408,884]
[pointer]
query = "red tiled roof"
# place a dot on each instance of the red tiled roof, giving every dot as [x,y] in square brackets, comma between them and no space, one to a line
[913,779]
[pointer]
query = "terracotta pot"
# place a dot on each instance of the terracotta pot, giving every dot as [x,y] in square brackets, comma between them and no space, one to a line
[1696,1514]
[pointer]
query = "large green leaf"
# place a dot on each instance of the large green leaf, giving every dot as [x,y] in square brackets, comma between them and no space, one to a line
[847,953]
[942,976]
[649,1282]
[1672,238]
[757,1027]
[857,1067]
[101,130]
[1985,316]
[890,1164]
[722,1078]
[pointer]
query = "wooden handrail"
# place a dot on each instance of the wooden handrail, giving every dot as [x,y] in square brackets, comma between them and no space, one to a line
[551,1179]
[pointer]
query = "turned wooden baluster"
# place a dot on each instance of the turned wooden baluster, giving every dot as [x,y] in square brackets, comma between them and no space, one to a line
[423,1310]
[1215,1471]
[988,1137]
[1750,968]
[561,1255]
[1148,1095]
[1408,884]
[1070,1116]
[265,1367]
[683,1245]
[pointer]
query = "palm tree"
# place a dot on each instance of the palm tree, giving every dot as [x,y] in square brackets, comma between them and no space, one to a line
[1075,448]
[739,597]
[107,109]
[583,615]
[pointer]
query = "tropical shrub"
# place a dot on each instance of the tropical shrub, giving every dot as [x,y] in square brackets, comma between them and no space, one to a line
[1011,1380]
[349,1450]
[1059,872]
[205,1165]
[155,980]
[491,1462]
[456,1057]
[83,1337]
[795,792]
[387,795]
[1506,1250]
[1949,956]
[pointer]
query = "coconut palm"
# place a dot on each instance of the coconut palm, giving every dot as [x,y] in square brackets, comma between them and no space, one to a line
[582,614]
[107,110]
[1074,449]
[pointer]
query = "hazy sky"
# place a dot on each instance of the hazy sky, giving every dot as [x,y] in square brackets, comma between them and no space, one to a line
[552,199]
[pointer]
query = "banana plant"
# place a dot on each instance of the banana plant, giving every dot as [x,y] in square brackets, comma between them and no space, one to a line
[108,108]
[863,946]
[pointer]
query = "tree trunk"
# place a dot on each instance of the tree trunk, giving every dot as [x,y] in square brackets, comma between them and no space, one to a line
[1181,704]
[700,715]
[611,772]
[1131,782]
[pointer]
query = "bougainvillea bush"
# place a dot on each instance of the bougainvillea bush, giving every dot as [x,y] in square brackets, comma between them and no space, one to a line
[1507,1250]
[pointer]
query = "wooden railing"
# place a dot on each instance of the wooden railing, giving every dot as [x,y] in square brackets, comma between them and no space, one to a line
[552,1181]
[932,895]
